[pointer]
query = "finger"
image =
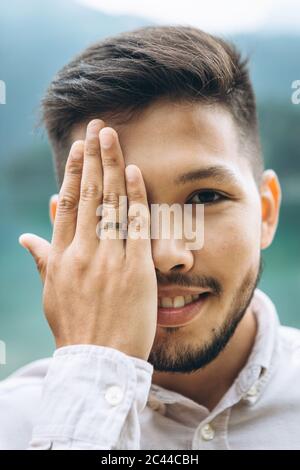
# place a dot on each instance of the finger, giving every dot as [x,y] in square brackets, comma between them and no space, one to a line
[114,190]
[39,249]
[66,212]
[91,186]
[138,242]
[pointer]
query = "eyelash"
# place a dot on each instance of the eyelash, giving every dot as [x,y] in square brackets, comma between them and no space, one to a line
[221,197]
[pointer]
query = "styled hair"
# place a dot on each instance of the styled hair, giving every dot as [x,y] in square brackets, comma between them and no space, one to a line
[117,77]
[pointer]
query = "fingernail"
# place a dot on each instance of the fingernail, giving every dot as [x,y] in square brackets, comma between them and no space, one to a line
[21,242]
[130,171]
[106,138]
[20,239]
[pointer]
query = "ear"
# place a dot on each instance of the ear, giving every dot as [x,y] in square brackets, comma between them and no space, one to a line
[270,193]
[52,207]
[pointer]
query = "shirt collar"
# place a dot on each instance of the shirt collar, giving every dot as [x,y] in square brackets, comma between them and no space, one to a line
[262,357]
[259,362]
[267,330]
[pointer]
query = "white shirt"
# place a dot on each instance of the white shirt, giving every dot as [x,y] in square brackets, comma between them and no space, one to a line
[95,397]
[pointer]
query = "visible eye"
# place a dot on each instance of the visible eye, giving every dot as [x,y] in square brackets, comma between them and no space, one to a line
[207,197]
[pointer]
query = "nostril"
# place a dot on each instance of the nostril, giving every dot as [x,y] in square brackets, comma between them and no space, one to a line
[177,267]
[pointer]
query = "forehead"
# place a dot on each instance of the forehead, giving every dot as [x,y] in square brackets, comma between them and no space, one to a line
[169,138]
[174,129]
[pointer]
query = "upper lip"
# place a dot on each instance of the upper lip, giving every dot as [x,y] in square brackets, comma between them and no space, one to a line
[177,291]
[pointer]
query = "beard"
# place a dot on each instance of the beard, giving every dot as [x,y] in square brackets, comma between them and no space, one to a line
[171,355]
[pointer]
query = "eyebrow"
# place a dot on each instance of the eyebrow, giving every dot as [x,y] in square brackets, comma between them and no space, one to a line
[220,173]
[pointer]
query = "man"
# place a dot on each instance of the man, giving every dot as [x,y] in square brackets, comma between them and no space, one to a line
[158,346]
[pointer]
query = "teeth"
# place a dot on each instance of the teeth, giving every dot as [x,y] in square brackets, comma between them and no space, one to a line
[166,302]
[177,302]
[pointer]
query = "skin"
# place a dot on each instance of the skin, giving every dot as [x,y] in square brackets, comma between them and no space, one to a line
[164,141]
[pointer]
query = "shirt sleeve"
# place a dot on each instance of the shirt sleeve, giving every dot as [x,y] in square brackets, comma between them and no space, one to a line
[92,397]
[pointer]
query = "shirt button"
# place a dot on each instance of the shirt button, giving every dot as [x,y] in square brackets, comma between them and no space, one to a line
[207,432]
[253,391]
[114,395]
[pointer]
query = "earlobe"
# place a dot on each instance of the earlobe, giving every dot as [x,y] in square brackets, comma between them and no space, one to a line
[270,204]
[52,207]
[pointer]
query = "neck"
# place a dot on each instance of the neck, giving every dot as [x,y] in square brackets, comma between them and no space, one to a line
[208,385]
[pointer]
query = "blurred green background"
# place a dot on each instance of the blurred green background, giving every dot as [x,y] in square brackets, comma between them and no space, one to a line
[36,39]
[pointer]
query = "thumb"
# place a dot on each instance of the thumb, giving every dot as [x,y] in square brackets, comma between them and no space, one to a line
[39,248]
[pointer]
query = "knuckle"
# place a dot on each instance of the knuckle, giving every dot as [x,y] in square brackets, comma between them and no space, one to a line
[75,167]
[136,194]
[79,260]
[92,149]
[67,201]
[111,199]
[90,191]
[110,160]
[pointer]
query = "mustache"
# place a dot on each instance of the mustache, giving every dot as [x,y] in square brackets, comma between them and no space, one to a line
[204,282]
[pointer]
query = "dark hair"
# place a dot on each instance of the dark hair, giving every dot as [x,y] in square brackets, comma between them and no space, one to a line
[121,75]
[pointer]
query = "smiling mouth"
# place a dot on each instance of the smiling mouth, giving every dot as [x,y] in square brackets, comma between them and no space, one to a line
[180,310]
[179,301]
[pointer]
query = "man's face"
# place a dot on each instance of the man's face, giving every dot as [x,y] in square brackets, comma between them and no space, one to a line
[166,141]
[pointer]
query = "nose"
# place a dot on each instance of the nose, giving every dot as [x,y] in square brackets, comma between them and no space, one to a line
[171,255]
